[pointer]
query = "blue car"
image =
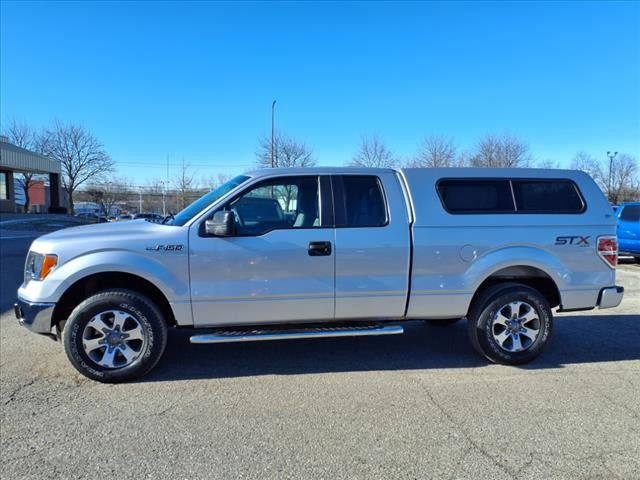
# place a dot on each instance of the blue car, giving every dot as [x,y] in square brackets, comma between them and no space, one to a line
[629,229]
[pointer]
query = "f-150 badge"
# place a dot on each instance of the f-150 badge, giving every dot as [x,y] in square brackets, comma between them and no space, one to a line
[166,248]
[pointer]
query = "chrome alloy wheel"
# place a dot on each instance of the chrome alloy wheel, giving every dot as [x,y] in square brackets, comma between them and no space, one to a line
[113,339]
[515,326]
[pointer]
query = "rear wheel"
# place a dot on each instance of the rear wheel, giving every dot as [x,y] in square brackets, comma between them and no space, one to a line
[115,336]
[510,323]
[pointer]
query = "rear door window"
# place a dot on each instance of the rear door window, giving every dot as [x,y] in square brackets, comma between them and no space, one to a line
[462,196]
[547,196]
[361,202]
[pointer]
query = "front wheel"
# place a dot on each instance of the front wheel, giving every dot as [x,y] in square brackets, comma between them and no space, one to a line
[510,323]
[115,336]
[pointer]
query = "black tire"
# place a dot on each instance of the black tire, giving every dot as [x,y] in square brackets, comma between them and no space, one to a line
[637,259]
[482,329]
[149,320]
[443,323]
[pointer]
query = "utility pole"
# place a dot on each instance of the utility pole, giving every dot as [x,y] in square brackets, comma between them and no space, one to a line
[164,205]
[274,158]
[611,156]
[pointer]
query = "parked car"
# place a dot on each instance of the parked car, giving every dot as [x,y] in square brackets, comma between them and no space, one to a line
[629,229]
[152,217]
[124,216]
[92,217]
[330,252]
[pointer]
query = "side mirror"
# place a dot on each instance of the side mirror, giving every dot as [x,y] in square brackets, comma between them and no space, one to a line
[223,224]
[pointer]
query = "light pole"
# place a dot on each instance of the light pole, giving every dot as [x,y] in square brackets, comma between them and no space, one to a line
[274,158]
[611,156]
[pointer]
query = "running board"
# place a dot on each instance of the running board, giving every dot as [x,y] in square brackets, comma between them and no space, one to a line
[256,335]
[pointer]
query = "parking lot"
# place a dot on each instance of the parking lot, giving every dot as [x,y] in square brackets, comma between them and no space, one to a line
[419,405]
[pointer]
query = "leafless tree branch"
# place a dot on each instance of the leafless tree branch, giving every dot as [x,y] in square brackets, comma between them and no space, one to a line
[503,151]
[436,151]
[81,156]
[373,153]
[288,153]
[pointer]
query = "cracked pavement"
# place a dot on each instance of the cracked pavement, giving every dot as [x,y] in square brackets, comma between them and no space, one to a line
[419,405]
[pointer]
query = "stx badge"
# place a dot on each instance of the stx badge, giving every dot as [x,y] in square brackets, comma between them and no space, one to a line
[573,240]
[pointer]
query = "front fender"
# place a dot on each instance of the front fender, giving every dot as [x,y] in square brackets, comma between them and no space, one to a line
[170,275]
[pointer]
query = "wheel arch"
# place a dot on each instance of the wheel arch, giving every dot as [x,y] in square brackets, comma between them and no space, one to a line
[98,282]
[531,276]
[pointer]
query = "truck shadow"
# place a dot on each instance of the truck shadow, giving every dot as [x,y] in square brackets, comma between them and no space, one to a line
[576,339]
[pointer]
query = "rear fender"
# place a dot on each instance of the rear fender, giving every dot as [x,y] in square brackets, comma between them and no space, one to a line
[526,256]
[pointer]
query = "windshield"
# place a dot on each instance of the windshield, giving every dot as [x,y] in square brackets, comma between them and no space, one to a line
[204,201]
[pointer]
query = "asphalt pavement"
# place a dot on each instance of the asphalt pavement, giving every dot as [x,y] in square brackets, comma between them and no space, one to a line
[419,405]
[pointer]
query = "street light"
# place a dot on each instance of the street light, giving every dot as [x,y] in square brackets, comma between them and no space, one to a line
[611,156]
[274,158]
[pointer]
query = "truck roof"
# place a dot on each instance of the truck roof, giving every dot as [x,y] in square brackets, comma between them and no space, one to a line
[317,170]
[464,172]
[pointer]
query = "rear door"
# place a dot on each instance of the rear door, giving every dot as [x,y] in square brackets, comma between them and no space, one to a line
[372,246]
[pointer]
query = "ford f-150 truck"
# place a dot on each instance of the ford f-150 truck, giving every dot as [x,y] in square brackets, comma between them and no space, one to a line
[329,252]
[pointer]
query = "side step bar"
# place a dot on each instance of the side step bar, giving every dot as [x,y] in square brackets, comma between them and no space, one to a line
[255,335]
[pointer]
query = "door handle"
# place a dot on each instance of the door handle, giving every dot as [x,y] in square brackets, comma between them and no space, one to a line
[318,249]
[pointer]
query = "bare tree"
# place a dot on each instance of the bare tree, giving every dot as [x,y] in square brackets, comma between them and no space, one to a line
[625,180]
[184,185]
[619,183]
[288,153]
[463,159]
[436,151]
[505,151]
[585,162]
[154,198]
[109,192]
[81,155]
[548,164]
[24,136]
[214,181]
[373,153]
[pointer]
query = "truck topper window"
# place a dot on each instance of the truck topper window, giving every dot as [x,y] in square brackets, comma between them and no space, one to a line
[496,196]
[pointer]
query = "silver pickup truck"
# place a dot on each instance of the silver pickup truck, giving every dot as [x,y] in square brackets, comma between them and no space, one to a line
[329,252]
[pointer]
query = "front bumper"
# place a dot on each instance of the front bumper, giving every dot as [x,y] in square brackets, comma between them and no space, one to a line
[610,297]
[34,316]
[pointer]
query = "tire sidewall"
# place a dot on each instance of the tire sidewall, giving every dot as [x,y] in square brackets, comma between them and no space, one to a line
[145,312]
[484,325]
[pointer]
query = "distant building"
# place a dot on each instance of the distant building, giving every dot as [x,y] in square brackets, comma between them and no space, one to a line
[14,160]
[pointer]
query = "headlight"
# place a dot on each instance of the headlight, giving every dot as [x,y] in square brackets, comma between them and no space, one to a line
[38,266]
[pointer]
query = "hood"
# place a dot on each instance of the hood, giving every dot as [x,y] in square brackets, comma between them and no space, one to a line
[114,229]
[131,235]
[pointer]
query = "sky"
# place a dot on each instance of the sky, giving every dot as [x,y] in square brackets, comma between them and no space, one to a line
[195,81]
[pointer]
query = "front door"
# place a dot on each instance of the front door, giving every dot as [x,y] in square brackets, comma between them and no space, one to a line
[279,265]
